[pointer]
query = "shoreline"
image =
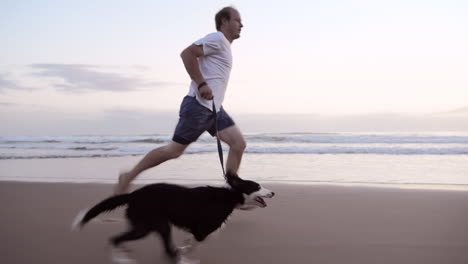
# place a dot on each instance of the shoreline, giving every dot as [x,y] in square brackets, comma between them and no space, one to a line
[408,172]
[409,186]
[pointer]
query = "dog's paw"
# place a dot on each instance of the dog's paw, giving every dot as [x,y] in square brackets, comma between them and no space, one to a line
[120,256]
[188,247]
[184,249]
[185,260]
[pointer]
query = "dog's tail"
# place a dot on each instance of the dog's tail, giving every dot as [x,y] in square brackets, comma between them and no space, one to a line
[108,204]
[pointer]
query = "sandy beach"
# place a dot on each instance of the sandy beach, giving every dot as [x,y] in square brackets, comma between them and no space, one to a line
[302,224]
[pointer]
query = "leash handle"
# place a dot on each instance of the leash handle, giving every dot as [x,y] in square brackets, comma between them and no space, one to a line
[220,148]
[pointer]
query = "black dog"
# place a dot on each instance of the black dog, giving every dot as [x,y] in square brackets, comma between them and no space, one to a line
[200,210]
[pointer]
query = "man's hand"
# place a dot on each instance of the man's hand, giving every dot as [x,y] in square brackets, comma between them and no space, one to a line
[206,92]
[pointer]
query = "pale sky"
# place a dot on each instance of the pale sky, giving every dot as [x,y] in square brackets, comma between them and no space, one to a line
[97,66]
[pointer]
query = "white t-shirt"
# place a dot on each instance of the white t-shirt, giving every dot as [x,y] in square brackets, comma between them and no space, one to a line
[215,66]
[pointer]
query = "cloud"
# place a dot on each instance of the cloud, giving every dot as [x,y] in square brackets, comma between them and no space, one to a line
[462,110]
[81,77]
[6,83]
[7,104]
[45,120]
[141,67]
[383,122]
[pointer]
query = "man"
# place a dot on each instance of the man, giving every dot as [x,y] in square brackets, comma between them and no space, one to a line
[208,61]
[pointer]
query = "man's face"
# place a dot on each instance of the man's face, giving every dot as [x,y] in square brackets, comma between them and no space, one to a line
[234,25]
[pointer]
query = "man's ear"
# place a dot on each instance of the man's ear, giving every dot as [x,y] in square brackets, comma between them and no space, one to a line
[224,21]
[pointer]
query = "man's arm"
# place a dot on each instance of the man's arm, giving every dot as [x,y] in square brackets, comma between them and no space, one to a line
[190,58]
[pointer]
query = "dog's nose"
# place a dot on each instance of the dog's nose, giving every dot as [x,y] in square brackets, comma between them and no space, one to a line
[272,194]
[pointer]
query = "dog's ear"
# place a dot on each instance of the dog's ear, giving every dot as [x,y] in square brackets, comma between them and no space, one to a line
[232,179]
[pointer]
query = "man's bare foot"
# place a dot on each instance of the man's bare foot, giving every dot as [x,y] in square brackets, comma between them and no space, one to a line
[123,184]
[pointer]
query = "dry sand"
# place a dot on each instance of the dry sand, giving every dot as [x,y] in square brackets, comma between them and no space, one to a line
[302,224]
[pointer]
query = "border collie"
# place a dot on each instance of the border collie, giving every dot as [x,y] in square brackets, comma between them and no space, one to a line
[199,211]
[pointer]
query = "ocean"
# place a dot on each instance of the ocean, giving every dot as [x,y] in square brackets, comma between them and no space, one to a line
[354,158]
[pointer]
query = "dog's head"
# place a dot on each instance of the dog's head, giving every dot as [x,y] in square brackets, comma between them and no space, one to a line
[252,192]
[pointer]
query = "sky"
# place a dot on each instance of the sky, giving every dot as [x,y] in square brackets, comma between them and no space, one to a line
[113,67]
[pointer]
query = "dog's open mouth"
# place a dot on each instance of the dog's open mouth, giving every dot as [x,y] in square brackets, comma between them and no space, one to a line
[260,201]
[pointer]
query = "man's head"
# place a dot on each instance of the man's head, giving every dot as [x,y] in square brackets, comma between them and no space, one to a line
[229,22]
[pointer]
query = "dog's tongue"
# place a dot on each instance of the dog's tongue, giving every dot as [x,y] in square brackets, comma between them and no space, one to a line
[261,201]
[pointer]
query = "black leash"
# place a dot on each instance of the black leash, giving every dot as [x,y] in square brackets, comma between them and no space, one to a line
[220,148]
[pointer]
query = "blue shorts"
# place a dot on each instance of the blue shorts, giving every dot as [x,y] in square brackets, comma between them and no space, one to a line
[194,119]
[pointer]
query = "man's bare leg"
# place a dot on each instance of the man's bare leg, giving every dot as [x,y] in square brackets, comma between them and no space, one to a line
[151,159]
[234,138]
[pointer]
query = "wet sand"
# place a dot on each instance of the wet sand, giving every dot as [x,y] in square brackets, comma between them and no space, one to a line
[302,224]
